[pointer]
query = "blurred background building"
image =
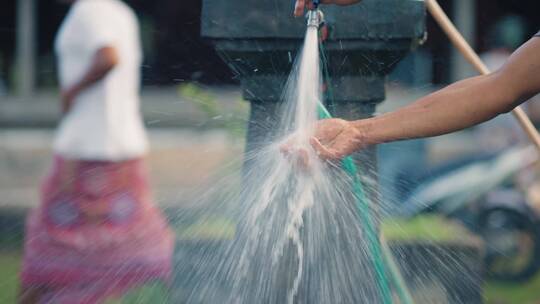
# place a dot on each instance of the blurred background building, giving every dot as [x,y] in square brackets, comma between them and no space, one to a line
[175,52]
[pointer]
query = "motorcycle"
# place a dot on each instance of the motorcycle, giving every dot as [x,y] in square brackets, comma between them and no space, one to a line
[495,195]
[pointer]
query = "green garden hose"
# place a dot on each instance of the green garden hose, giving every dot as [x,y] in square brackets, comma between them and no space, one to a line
[379,255]
[365,217]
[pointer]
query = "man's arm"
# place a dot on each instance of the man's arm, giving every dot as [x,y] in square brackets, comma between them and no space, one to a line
[105,59]
[458,106]
[301,5]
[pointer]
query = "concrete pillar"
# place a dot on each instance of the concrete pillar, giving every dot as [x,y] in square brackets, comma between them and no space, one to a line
[26,47]
[464,17]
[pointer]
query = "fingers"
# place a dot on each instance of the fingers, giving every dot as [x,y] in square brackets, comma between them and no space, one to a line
[303,158]
[324,32]
[298,156]
[327,130]
[346,145]
[299,7]
[287,147]
[324,152]
[340,2]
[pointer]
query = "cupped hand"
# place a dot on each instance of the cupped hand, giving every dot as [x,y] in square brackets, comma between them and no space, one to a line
[336,138]
[296,154]
[333,140]
[301,5]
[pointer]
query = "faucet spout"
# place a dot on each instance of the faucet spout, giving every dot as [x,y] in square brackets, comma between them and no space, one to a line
[315,18]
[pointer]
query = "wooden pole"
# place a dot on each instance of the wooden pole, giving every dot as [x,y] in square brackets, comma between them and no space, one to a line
[470,55]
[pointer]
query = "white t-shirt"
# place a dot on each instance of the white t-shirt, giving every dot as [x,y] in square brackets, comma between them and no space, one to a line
[105,122]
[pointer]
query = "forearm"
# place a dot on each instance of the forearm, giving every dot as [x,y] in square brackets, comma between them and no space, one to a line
[463,104]
[453,108]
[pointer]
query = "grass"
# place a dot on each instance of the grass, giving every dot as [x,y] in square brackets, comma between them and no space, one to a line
[234,119]
[425,228]
[438,229]
[522,293]
[9,285]
[207,229]
[9,276]
[150,293]
[10,259]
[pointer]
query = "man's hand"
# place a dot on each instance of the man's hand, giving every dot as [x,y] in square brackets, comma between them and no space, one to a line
[333,140]
[301,5]
[336,138]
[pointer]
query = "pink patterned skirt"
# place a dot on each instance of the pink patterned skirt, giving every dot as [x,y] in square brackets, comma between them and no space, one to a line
[96,233]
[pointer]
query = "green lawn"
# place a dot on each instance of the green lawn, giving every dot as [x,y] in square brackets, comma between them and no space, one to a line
[151,293]
[214,228]
[9,282]
[437,229]
[428,228]
[9,276]
[522,293]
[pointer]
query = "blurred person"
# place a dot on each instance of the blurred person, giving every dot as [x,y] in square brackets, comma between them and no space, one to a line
[96,233]
[458,106]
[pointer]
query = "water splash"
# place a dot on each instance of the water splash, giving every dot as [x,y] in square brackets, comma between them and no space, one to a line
[298,237]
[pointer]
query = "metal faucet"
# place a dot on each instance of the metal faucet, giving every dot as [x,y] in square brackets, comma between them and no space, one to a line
[315,17]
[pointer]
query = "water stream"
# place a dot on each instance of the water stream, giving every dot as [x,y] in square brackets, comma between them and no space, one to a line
[298,233]
[298,237]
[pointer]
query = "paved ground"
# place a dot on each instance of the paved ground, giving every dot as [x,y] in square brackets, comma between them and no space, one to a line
[187,105]
[193,131]
[182,163]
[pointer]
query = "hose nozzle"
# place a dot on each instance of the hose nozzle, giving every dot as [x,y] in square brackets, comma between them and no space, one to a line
[315,18]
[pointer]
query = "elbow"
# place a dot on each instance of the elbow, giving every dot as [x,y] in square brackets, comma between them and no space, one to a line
[514,90]
[507,95]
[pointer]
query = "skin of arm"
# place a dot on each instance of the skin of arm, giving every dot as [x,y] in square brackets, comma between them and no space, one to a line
[456,107]
[105,59]
[301,5]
